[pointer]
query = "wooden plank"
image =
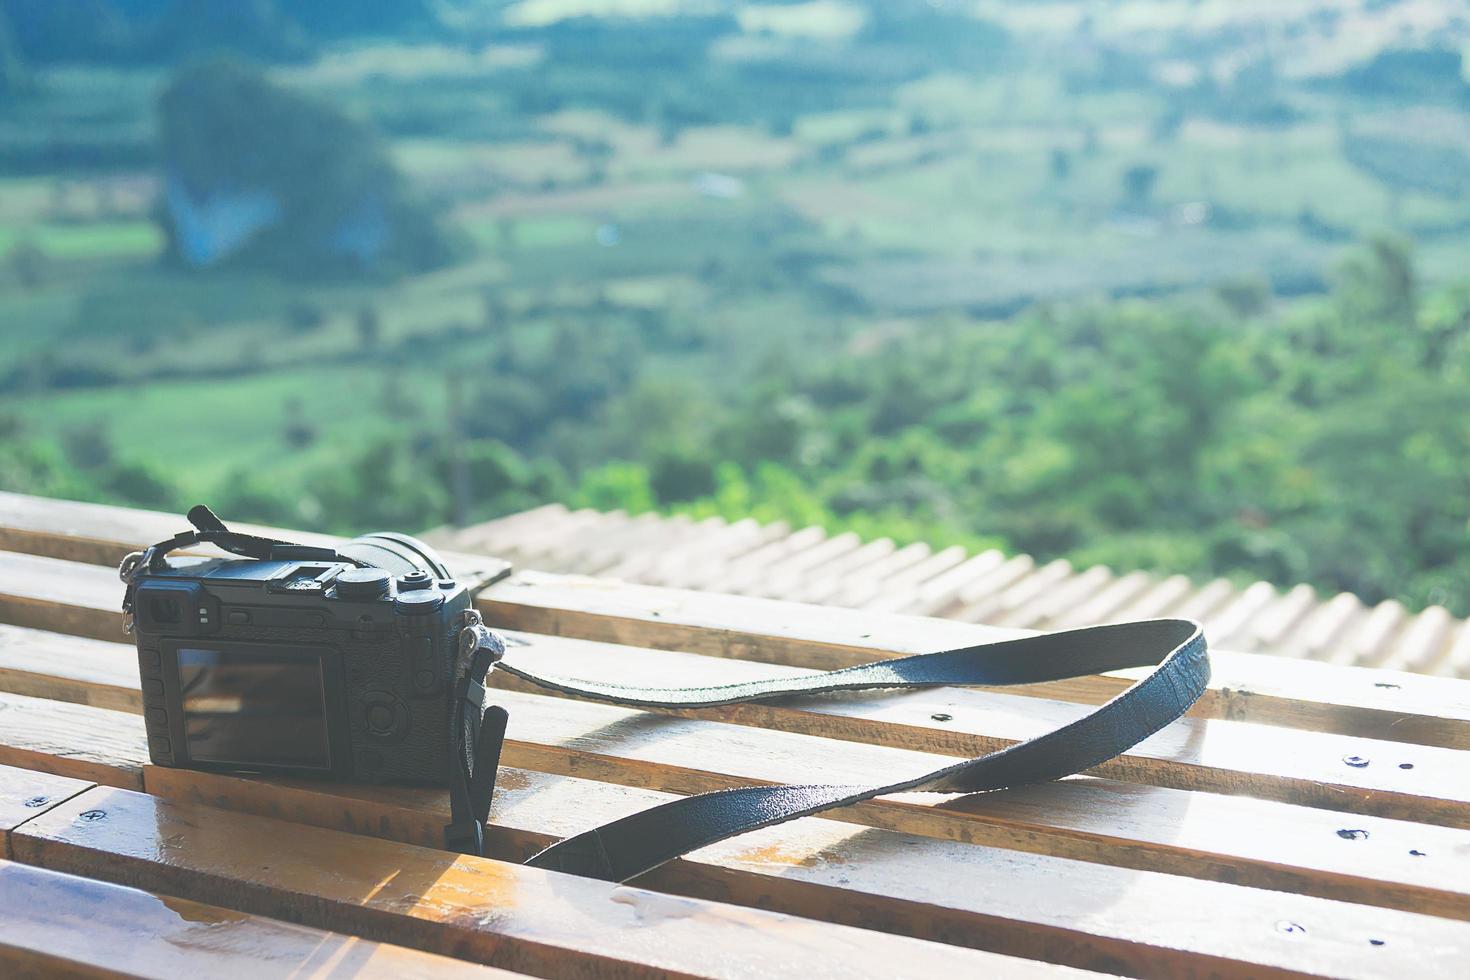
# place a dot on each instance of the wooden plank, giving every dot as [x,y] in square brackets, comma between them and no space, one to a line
[1087,915]
[1244,687]
[1289,848]
[25,793]
[54,924]
[1410,782]
[1247,687]
[74,740]
[1390,779]
[482,910]
[1031,906]
[42,664]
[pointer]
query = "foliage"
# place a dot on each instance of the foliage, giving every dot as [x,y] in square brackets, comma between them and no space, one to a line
[966,274]
[224,129]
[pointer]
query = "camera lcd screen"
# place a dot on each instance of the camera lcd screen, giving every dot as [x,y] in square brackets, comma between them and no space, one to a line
[252,708]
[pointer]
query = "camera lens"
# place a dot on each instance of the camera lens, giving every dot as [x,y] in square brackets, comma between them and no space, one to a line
[398,553]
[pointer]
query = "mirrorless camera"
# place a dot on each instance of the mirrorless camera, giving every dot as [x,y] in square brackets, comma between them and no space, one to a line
[297,660]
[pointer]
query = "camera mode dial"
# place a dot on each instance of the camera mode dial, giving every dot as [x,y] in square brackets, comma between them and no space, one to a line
[363,583]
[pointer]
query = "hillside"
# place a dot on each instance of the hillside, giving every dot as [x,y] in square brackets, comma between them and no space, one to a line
[1171,286]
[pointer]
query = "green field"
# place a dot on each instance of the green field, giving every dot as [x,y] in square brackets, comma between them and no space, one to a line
[669,215]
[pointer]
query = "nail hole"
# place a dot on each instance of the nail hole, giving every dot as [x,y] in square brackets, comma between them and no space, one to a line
[1375,942]
[941,716]
[1406,765]
[1417,853]
[1289,927]
[1353,834]
[1356,761]
[1386,686]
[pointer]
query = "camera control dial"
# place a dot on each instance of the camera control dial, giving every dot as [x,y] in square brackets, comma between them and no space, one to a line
[362,583]
[383,714]
[419,602]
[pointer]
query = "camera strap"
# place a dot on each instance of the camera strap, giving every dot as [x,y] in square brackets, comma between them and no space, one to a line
[209,529]
[625,848]
[632,845]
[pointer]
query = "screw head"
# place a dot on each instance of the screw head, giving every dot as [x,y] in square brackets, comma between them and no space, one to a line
[941,716]
[92,815]
[1356,761]
[36,801]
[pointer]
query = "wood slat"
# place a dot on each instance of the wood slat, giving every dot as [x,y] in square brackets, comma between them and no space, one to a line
[1288,847]
[43,664]
[25,793]
[1409,782]
[482,910]
[1141,923]
[73,740]
[54,924]
[1263,689]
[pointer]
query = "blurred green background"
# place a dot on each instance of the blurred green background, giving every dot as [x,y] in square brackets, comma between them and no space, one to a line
[1169,285]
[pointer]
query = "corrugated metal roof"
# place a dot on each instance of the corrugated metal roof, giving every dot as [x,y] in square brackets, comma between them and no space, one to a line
[809,565]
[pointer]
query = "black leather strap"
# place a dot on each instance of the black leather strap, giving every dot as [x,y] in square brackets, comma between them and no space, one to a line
[477,732]
[209,528]
[628,847]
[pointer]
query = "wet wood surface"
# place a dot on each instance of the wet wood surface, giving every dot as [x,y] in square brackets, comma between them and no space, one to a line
[1289,847]
[54,924]
[1320,697]
[1304,820]
[479,909]
[917,882]
[1412,782]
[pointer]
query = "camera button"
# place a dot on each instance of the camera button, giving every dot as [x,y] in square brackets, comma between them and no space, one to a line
[156,717]
[158,746]
[237,617]
[383,714]
[149,659]
[151,686]
[379,719]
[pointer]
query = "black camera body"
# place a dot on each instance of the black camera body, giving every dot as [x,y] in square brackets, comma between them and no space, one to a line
[305,662]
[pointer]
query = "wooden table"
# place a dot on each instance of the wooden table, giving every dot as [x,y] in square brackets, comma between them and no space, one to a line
[1304,819]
